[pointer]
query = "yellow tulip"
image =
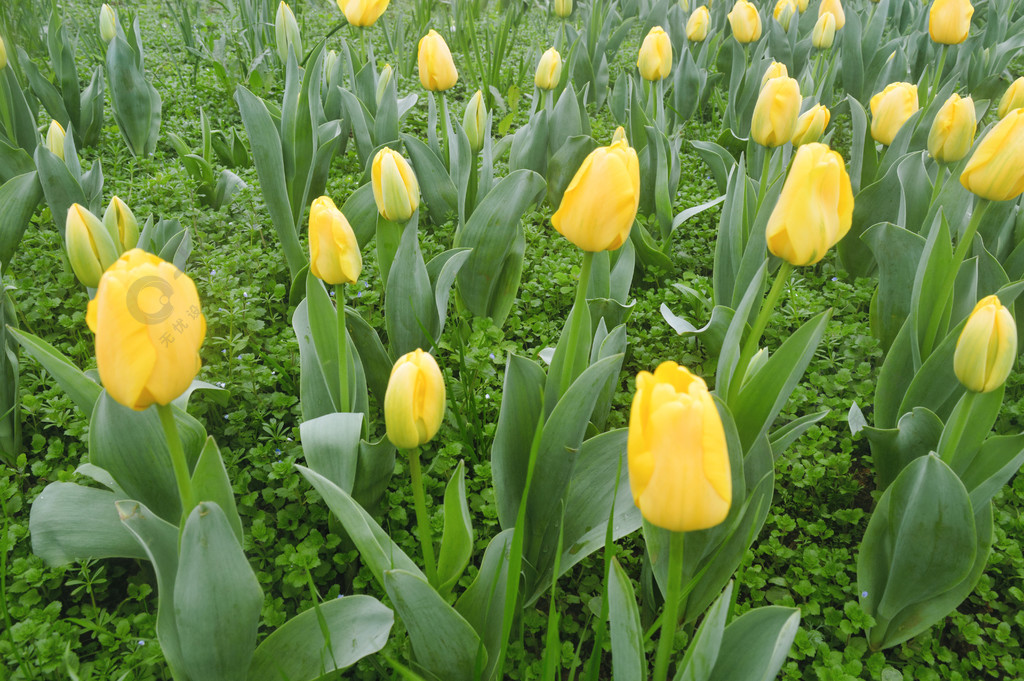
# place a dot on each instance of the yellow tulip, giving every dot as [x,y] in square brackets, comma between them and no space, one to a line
[619,134]
[286,30]
[1013,98]
[949,21]
[995,171]
[655,58]
[549,70]
[784,11]
[90,248]
[775,70]
[811,125]
[437,70]
[55,139]
[600,203]
[334,254]
[824,32]
[395,188]
[890,109]
[987,347]
[776,112]
[697,24]
[801,5]
[678,460]
[563,8]
[835,7]
[121,225]
[745,22]
[3,54]
[108,23]
[149,327]
[362,12]
[815,208]
[952,132]
[415,400]
[383,80]
[474,122]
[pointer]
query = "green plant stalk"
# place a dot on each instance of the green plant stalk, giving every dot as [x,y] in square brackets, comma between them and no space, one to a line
[670,617]
[938,74]
[445,125]
[948,451]
[750,347]
[422,519]
[762,183]
[601,625]
[339,299]
[574,329]
[940,178]
[178,462]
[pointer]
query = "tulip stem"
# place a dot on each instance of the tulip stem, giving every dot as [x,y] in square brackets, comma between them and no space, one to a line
[940,177]
[178,462]
[339,299]
[670,616]
[750,347]
[574,329]
[938,74]
[762,184]
[422,519]
[957,424]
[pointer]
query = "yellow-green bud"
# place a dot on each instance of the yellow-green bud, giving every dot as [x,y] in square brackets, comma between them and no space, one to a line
[55,139]
[108,23]
[90,248]
[475,121]
[121,224]
[383,78]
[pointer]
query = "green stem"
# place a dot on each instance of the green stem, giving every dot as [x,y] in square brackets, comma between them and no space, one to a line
[422,519]
[444,130]
[938,74]
[947,450]
[670,617]
[762,185]
[574,328]
[750,347]
[178,462]
[339,299]
[940,177]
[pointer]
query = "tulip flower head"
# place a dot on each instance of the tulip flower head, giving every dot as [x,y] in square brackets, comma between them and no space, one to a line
[334,254]
[549,70]
[784,11]
[655,58]
[745,22]
[824,32]
[383,80]
[776,112]
[801,5]
[1013,98]
[415,400]
[286,30]
[619,135]
[362,12]
[679,470]
[108,23]
[599,205]
[90,247]
[995,171]
[563,8]
[474,122]
[395,188]
[121,225]
[775,70]
[815,208]
[949,21]
[697,25]
[55,139]
[952,131]
[890,109]
[811,125]
[437,70]
[149,327]
[986,347]
[835,7]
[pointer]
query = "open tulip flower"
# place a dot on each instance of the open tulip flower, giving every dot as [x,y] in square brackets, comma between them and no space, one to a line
[655,58]
[775,70]
[890,109]
[745,22]
[811,125]
[395,188]
[835,8]
[949,21]
[995,171]
[952,131]
[824,32]
[333,249]
[362,12]
[1012,99]
[784,11]
[776,112]
[697,24]
[437,69]
[549,70]
[987,347]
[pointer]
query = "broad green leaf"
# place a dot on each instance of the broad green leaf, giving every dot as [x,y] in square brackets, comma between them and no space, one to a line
[457,539]
[563,165]
[702,654]
[892,449]
[996,462]
[210,482]
[439,192]
[442,271]
[19,196]
[330,444]
[897,252]
[314,396]
[483,602]
[361,212]
[755,645]
[410,311]
[629,662]
[375,359]
[82,390]
[59,186]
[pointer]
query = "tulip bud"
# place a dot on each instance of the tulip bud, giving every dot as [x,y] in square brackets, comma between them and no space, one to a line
[678,460]
[437,70]
[784,11]
[745,22]
[801,5]
[330,60]
[995,171]
[619,135]
[108,23]
[986,348]
[815,208]
[474,122]
[55,139]
[383,79]
[774,70]
[776,112]
[824,32]
[415,400]
[121,225]
[149,327]
[3,54]
[697,24]
[836,9]
[89,246]
[952,132]
[287,33]
[811,125]
[334,255]
[563,8]
[1013,98]
[655,58]
[362,12]
[549,70]
[684,5]
[395,188]
[599,205]
[890,109]
[949,21]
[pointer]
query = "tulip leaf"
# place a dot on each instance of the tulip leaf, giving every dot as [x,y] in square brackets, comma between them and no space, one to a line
[563,165]
[892,449]
[730,355]
[217,599]
[605,345]
[897,252]
[323,326]
[82,390]
[374,469]
[361,120]
[442,270]
[19,196]
[59,186]
[483,603]
[373,356]
[410,310]
[530,145]
[135,102]
[977,413]
[997,460]
[361,211]
[385,125]
[756,644]
[24,133]
[314,396]
[568,360]
[457,539]
[70,523]
[330,444]
[439,191]
[358,626]
[930,298]
[703,651]
[210,482]
[729,246]
[783,437]
[629,663]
